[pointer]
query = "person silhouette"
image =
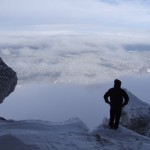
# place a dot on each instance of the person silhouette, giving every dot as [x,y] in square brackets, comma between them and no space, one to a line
[117,98]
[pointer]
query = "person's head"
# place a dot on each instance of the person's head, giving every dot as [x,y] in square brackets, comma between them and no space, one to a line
[117,83]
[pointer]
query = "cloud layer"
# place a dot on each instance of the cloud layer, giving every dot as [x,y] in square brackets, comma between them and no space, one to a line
[65,56]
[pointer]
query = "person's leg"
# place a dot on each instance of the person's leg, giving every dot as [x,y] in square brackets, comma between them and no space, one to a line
[117,118]
[112,117]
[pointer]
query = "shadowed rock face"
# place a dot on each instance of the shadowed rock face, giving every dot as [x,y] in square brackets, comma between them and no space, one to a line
[136,116]
[8,80]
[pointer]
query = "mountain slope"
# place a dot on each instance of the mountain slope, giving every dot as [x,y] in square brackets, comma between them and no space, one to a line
[121,139]
[136,115]
[69,135]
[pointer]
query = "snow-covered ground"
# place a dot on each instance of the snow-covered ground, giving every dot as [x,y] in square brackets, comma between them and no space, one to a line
[69,135]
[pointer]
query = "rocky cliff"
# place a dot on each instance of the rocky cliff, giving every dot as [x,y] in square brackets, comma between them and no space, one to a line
[8,80]
[136,115]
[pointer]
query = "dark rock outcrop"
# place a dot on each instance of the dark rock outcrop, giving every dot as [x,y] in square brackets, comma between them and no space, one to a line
[136,116]
[8,80]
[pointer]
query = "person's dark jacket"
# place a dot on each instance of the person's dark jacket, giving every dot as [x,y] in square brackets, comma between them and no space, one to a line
[118,98]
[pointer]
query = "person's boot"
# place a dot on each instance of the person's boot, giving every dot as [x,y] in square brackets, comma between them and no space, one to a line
[116,126]
[111,125]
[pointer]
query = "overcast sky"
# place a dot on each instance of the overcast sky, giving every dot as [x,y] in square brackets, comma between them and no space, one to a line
[110,13]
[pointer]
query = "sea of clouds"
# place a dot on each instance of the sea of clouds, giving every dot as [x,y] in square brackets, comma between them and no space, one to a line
[69,56]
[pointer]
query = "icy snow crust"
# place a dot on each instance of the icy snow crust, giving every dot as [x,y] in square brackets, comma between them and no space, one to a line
[69,135]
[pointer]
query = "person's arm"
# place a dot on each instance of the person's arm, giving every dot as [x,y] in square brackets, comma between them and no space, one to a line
[126,98]
[107,94]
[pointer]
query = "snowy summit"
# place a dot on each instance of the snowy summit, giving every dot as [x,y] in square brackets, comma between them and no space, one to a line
[69,135]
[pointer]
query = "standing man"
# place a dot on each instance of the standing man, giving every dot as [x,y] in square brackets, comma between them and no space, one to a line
[118,98]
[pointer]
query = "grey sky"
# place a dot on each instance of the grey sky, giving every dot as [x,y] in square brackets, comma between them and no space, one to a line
[131,14]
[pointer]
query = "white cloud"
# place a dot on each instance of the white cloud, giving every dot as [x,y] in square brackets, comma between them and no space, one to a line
[74,56]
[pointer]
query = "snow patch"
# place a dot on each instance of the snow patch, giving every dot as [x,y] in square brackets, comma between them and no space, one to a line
[9,142]
[68,135]
[121,138]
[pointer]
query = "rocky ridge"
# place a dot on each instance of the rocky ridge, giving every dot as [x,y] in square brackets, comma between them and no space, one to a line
[8,80]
